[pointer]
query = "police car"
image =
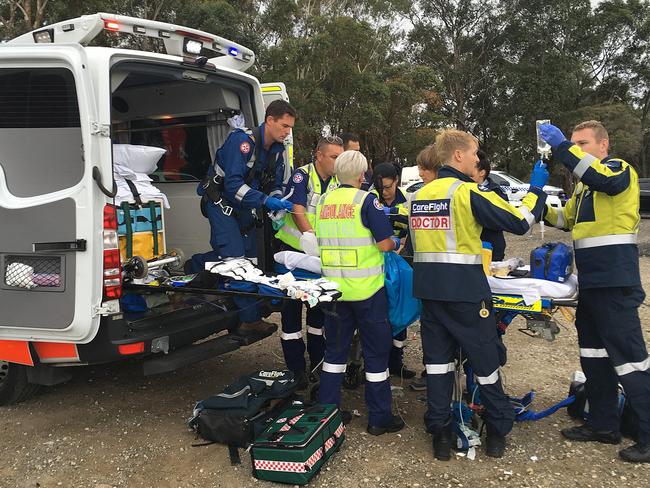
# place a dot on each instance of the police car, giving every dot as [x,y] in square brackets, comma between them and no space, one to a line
[63,104]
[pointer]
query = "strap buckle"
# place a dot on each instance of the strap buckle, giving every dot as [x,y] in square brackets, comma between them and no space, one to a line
[227,209]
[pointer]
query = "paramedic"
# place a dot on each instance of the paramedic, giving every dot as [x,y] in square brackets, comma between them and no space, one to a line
[603,214]
[446,219]
[385,187]
[485,183]
[352,233]
[242,173]
[306,186]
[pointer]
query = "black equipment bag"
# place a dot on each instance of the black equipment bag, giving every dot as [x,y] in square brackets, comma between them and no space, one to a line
[243,409]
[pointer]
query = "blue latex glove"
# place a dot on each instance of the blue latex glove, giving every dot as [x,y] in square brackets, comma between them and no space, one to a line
[397,242]
[552,135]
[275,204]
[539,176]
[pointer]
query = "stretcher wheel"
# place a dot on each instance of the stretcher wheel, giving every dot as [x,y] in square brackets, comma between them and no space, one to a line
[136,267]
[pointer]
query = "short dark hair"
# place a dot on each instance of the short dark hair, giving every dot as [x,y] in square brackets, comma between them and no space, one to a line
[483,164]
[349,136]
[279,108]
[327,141]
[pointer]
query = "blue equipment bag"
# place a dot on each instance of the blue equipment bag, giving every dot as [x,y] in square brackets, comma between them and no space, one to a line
[403,307]
[552,261]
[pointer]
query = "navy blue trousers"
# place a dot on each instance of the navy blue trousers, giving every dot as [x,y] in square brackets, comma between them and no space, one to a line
[446,327]
[612,350]
[293,345]
[371,318]
[228,241]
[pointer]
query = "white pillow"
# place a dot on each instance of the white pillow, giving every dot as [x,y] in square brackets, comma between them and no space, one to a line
[141,159]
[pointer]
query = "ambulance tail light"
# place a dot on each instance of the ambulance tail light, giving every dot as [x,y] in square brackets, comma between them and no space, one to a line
[112,269]
[111,25]
[128,349]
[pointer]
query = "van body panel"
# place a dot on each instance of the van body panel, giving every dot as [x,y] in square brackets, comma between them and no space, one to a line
[57,293]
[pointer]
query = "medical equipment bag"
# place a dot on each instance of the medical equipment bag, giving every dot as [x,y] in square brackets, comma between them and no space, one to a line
[297,444]
[551,261]
[403,307]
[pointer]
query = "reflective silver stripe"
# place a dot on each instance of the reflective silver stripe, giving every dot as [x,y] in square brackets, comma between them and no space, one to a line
[377,377]
[353,273]
[314,330]
[530,218]
[628,368]
[583,165]
[241,193]
[359,196]
[440,368]
[397,343]
[292,231]
[290,336]
[587,352]
[488,380]
[610,240]
[450,236]
[334,368]
[346,241]
[560,218]
[447,257]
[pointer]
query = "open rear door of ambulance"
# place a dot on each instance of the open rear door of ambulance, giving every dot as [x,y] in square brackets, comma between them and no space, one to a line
[50,278]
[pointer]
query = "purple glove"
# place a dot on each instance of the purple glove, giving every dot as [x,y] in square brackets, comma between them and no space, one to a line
[552,135]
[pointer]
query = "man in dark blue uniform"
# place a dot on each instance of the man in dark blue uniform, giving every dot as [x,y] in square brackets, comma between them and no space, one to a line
[247,175]
[603,216]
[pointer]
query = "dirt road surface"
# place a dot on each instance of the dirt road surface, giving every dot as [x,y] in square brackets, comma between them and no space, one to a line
[112,427]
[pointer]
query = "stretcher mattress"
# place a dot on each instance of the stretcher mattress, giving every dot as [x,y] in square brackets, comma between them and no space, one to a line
[292,260]
[532,289]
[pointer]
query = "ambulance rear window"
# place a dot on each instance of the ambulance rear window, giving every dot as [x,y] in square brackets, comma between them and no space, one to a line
[41,148]
[38,97]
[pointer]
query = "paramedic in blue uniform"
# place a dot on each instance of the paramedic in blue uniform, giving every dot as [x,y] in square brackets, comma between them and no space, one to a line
[306,186]
[603,215]
[386,179]
[446,219]
[353,233]
[233,217]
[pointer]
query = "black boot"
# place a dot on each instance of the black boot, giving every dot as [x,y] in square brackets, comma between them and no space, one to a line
[495,443]
[442,444]
[638,453]
[396,424]
[584,433]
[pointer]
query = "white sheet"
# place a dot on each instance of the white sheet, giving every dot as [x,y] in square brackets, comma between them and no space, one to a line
[292,260]
[532,289]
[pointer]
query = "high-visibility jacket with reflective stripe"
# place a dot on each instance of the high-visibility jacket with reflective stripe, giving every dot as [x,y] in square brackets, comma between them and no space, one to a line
[349,254]
[289,232]
[603,215]
[398,212]
[446,218]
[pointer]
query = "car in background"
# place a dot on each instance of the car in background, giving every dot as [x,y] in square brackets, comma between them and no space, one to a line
[516,189]
[644,186]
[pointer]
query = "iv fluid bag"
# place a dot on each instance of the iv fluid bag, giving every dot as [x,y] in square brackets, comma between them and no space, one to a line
[543,148]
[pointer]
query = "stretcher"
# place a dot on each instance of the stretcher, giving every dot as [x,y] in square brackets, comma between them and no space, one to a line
[535,300]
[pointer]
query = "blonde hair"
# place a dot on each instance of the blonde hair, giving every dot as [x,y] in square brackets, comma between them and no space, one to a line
[349,165]
[450,140]
[428,158]
[599,129]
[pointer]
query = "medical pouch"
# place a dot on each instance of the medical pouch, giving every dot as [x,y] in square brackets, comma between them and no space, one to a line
[403,307]
[244,408]
[294,447]
[551,261]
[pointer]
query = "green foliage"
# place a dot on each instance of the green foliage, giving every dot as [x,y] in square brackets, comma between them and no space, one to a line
[396,71]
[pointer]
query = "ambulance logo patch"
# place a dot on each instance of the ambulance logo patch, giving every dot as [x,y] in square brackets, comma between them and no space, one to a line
[297,178]
[245,147]
[430,215]
[377,204]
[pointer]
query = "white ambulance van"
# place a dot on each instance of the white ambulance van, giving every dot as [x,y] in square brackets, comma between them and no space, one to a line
[63,105]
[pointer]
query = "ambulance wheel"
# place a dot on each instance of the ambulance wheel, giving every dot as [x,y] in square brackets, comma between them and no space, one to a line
[14,387]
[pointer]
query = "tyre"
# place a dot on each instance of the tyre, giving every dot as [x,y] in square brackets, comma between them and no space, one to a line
[14,387]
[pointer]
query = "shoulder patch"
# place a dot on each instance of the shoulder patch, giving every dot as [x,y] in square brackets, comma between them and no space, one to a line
[297,177]
[377,204]
[245,147]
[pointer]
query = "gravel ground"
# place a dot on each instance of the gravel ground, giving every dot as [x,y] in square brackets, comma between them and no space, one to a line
[111,426]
